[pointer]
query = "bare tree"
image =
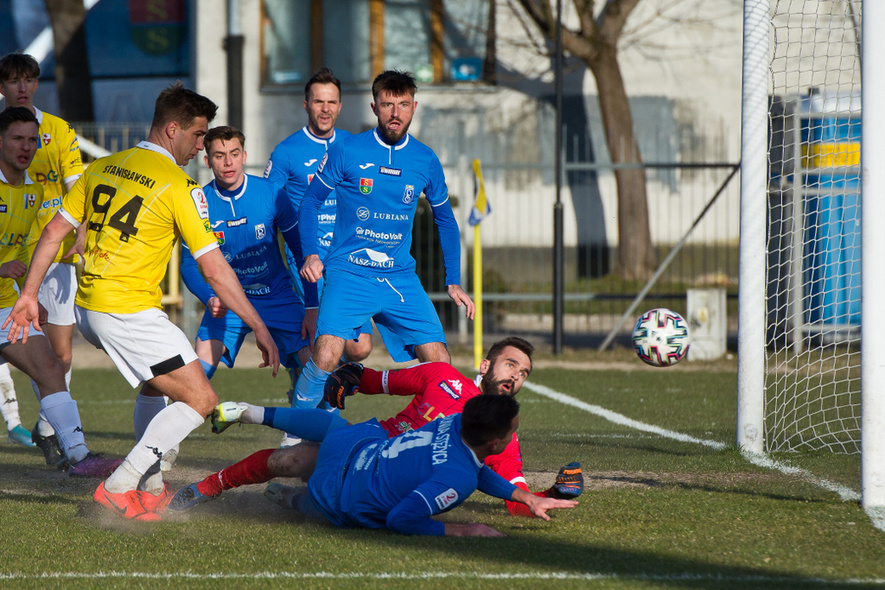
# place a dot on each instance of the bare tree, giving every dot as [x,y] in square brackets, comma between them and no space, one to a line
[68,19]
[595,42]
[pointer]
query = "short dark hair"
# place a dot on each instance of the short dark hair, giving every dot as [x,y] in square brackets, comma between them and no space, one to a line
[18,64]
[323,76]
[487,417]
[180,104]
[395,82]
[12,115]
[224,133]
[516,342]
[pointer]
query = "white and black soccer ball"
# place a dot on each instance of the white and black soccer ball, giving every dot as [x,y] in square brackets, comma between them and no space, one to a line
[660,337]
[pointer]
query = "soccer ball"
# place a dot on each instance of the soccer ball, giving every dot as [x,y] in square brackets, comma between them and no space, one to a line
[660,337]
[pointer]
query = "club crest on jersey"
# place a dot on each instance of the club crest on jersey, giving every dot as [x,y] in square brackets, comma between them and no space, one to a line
[446,499]
[362,214]
[47,139]
[30,201]
[219,237]
[309,178]
[260,232]
[409,194]
[365,185]
[200,202]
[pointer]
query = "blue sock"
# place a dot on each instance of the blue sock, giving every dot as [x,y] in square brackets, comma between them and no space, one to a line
[207,368]
[309,424]
[309,389]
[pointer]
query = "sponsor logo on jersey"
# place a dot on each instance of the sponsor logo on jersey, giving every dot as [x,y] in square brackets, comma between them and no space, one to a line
[2,208]
[311,162]
[44,179]
[219,237]
[366,166]
[237,222]
[409,194]
[365,185]
[445,387]
[446,499]
[391,216]
[381,236]
[30,200]
[200,202]
[362,213]
[323,163]
[370,258]
[52,204]
[47,139]
[456,385]
[260,232]
[390,171]
[326,218]
[268,168]
[326,240]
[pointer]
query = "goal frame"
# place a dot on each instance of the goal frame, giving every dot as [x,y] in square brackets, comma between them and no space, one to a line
[752,267]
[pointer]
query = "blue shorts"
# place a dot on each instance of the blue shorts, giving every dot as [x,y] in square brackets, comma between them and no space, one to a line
[232,331]
[366,328]
[402,311]
[337,450]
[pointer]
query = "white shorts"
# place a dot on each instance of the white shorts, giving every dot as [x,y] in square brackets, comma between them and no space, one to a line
[57,293]
[4,340]
[143,345]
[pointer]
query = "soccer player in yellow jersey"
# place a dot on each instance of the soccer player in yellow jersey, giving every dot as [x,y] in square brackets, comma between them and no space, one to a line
[56,166]
[135,204]
[20,200]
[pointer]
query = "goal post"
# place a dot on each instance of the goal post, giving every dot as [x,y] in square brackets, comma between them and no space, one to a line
[812,252]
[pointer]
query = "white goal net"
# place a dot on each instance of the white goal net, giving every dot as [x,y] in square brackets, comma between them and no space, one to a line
[813,239]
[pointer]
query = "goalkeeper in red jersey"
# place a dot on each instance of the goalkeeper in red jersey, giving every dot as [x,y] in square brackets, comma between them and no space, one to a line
[437,390]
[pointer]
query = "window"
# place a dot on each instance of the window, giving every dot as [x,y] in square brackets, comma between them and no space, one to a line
[439,41]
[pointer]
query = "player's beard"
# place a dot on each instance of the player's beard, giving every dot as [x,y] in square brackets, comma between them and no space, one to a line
[394,137]
[488,384]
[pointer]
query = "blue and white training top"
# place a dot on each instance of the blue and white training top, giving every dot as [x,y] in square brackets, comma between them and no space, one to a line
[377,187]
[293,164]
[245,222]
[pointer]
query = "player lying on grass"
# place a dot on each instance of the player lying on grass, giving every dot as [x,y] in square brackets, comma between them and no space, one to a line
[363,478]
[439,390]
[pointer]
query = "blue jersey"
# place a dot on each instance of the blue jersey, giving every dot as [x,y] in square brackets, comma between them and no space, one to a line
[377,188]
[292,165]
[245,222]
[364,479]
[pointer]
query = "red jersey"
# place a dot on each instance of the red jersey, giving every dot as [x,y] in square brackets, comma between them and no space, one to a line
[438,390]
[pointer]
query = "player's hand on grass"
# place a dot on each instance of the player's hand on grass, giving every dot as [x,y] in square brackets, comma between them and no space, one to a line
[270,355]
[312,269]
[342,382]
[471,529]
[24,314]
[569,482]
[539,505]
[461,298]
[216,307]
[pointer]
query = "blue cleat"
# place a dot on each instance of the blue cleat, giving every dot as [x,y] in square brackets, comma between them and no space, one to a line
[21,436]
[188,497]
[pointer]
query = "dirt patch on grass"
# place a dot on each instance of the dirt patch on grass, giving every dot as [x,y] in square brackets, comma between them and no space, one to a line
[607,480]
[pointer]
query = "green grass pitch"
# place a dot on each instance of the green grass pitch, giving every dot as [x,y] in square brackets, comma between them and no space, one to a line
[657,512]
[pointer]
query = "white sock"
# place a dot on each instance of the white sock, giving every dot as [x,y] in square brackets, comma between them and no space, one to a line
[68,378]
[8,401]
[168,428]
[146,407]
[61,411]
[44,428]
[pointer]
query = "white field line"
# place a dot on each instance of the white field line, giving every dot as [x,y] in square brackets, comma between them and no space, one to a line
[845,493]
[719,578]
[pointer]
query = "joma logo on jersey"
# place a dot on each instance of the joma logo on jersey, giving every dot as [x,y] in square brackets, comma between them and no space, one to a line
[365,185]
[30,201]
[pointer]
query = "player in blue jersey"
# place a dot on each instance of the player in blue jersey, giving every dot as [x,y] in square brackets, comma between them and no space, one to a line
[245,212]
[362,478]
[293,164]
[377,177]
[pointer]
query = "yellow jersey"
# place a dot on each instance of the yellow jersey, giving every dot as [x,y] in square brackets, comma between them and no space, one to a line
[56,163]
[18,209]
[135,204]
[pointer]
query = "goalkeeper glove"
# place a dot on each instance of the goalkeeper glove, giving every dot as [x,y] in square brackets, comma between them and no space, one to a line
[569,483]
[343,381]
